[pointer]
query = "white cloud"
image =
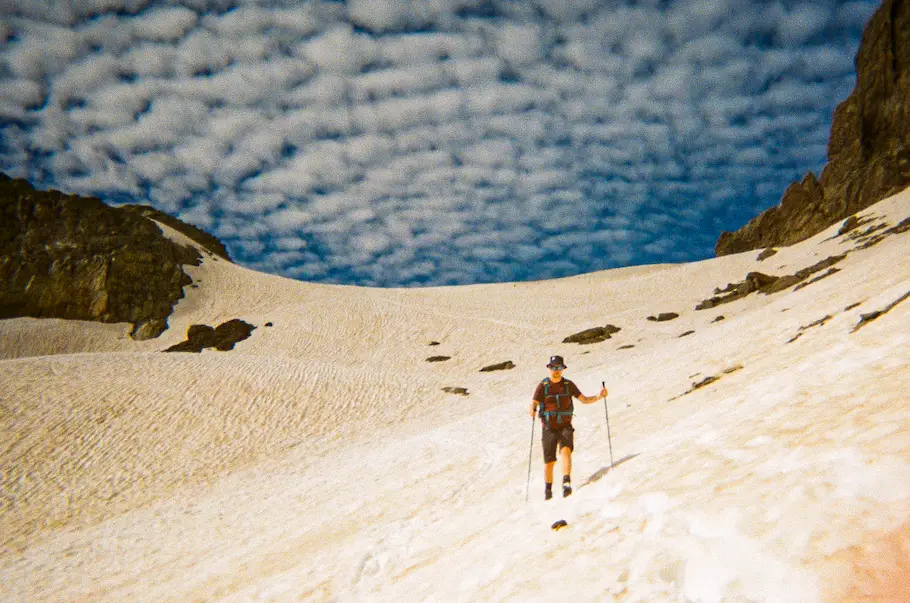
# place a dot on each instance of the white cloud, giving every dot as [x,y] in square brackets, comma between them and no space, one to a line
[407,140]
[339,50]
[804,21]
[164,24]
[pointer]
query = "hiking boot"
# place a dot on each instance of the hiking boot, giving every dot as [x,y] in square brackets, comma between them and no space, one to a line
[548,492]
[566,486]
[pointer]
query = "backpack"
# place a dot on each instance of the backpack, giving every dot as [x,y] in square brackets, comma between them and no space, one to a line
[556,410]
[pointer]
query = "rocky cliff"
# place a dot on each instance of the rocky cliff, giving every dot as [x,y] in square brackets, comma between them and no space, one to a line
[64,256]
[869,147]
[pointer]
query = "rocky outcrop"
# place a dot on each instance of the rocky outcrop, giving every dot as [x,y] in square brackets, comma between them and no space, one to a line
[204,239]
[767,284]
[65,256]
[868,150]
[222,338]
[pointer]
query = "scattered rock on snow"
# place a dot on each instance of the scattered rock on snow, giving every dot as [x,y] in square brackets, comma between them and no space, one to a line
[461,391]
[438,358]
[865,319]
[663,317]
[595,335]
[817,278]
[868,239]
[764,283]
[709,380]
[502,366]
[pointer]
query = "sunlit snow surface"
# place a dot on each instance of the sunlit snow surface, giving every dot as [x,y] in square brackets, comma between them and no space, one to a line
[321,460]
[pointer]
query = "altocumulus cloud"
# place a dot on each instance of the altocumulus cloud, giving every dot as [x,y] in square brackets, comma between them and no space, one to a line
[429,142]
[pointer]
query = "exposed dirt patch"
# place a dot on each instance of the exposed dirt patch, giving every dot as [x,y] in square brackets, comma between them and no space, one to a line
[461,391]
[438,358]
[625,347]
[876,570]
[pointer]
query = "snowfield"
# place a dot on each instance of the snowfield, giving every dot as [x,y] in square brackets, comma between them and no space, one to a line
[320,460]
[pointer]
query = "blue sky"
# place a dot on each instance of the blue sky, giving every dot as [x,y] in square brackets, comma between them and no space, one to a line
[417,143]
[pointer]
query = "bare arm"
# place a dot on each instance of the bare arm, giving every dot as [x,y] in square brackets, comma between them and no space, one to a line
[591,399]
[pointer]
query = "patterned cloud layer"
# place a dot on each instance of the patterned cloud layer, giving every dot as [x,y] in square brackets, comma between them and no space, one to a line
[396,143]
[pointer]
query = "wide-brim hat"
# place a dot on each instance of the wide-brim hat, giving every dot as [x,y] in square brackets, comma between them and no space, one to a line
[556,362]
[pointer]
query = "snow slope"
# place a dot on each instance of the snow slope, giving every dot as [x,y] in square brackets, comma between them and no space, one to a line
[321,460]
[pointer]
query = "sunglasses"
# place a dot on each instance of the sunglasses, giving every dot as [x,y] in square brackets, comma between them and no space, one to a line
[557,368]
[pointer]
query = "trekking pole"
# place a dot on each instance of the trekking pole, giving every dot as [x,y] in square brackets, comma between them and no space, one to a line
[530,453]
[607,413]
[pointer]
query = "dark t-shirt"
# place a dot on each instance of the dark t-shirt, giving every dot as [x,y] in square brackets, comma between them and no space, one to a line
[563,387]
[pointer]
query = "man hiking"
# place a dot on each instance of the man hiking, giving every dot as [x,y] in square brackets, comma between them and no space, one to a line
[553,397]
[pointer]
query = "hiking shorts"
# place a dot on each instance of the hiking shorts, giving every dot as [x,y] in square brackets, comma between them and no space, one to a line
[553,439]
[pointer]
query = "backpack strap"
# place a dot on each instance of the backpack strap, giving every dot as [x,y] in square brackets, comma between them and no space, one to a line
[546,414]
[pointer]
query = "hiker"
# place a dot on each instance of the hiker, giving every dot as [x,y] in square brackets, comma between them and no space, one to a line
[554,398]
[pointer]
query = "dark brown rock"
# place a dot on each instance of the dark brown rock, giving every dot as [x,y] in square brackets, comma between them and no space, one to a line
[764,255]
[865,319]
[849,224]
[595,335]
[197,235]
[767,284]
[663,317]
[831,271]
[868,150]
[222,338]
[438,358]
[64,256]
[502,366]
